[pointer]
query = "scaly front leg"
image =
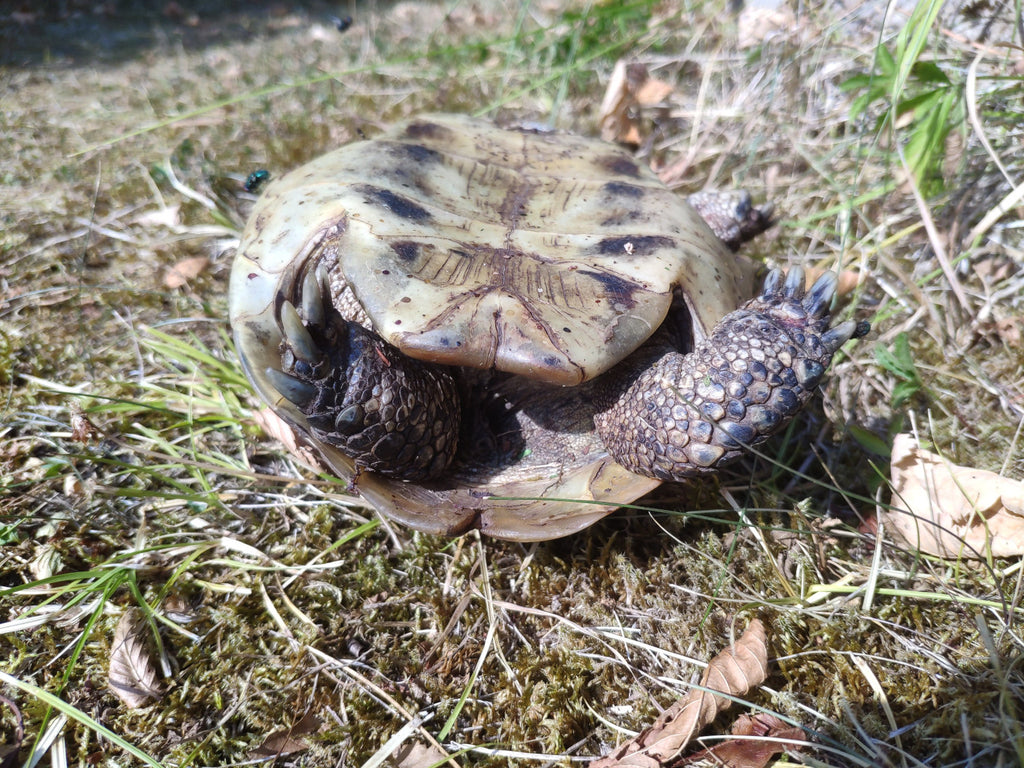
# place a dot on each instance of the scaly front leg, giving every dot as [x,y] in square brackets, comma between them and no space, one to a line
[390,413]
[687,415]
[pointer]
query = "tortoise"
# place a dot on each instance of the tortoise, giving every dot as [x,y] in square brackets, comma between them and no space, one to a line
[516,330]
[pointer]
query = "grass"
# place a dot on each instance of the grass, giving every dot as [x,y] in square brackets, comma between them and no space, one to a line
[277,597]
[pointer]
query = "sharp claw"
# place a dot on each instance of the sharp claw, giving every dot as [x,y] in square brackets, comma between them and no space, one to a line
[834,338]
[772,283]
[819,298]
[794,285]
[297,335]
[298,392]
[742,205]
[313,299]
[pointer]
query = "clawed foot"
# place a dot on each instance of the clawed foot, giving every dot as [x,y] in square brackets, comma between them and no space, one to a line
[688,415]
[391,414]
[732,215]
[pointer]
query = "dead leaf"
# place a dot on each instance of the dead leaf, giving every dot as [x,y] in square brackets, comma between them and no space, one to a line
[417,755]
[282,431]
[993,268]
[734,671]
[185,270]
[46,562]
[132,673]
[288,741]
[629,88]
[764,736]
[952,511]
[82,430]
[653,92]
[167,216]
[1010,330]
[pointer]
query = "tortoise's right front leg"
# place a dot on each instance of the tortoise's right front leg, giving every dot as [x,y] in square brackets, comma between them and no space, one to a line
[687,415]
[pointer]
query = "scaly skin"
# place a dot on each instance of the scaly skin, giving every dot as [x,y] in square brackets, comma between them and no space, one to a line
[392,414]
[681,416]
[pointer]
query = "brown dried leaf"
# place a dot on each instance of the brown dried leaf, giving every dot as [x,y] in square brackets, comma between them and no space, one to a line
[734,671]
[953,511]
[185,270]
[280,430]
[287,741]
[993,268]
[417,755]
[652,92]
[613,117]
[1010,330]
[630,87]
[82,430]
[132,674]
[769,734]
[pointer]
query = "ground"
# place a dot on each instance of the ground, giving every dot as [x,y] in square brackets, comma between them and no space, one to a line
[276,614]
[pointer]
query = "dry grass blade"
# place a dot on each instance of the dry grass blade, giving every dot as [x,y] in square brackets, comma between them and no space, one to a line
[733,672]
[132,673]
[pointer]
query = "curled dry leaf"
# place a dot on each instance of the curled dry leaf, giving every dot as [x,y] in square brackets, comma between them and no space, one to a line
[417,755]
[630,87]
[280,430]
[951,511]
[167,216]
[82,430]
[46,562]
[185,270]
[734,672]
[762,737]
[132,673]
[288,741]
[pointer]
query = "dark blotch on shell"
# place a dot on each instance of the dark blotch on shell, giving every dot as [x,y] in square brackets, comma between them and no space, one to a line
[617,289]
[406,250]
[425,130]
[620,165]
[398,205]
[619,189]
[414,153]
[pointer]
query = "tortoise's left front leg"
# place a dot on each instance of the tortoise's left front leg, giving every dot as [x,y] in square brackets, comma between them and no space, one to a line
[687,415]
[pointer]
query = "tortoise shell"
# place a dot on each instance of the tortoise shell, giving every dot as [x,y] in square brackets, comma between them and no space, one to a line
[526,267]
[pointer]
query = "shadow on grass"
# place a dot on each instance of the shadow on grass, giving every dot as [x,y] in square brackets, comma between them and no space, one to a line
[84,32]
